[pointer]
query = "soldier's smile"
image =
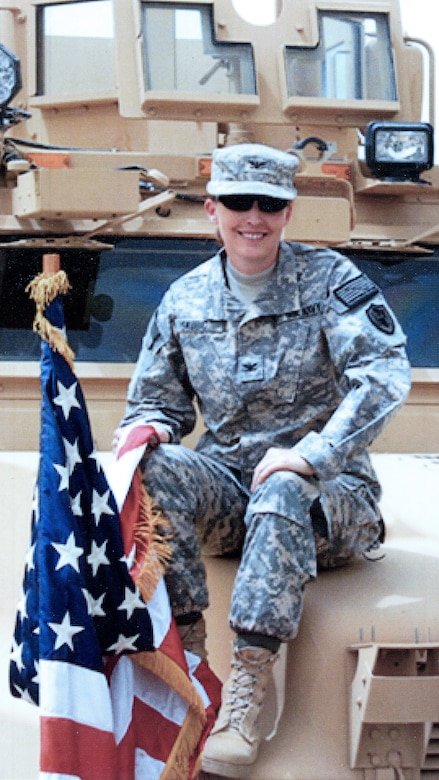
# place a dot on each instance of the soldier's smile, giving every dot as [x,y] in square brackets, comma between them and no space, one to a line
[251,238]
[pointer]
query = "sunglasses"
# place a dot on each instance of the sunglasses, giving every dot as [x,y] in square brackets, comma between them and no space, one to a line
[245,203]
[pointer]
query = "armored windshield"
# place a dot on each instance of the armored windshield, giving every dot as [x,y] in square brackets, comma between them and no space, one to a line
[181,54]
[76,45]
[352,60]
[114,293]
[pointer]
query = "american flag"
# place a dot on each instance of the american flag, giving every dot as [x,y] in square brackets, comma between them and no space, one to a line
[110,708]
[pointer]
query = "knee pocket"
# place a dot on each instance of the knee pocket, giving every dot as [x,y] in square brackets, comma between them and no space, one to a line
[286,494]
[355,523]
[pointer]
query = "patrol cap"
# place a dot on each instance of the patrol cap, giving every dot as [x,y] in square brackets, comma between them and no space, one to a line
[253,169]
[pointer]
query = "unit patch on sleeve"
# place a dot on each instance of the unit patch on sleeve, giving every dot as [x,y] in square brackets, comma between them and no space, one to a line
[381,318]
[356,291]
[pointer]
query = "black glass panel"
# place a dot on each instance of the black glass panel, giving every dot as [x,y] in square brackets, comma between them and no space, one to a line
[114,293]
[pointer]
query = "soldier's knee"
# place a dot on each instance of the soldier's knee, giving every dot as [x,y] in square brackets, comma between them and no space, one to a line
[167,459]
[168,473]
[286,493]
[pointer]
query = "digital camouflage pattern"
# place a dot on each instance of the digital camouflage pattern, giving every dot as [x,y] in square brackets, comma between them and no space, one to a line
[254,169]
[317,362]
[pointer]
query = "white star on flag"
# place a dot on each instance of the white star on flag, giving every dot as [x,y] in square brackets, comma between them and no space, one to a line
[67,398]
[97,556]
[64,476]
[65,632]
[69,554]
[21,606]
[29,560]
[24,694]
[75,504]
[124,643]
[100,505]
[131,602]
[94,606]
[17,654]
[72,454]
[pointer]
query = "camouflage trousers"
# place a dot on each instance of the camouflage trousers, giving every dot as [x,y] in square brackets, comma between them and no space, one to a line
[212,513]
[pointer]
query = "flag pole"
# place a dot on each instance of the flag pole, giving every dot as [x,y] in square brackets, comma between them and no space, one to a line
[51,263]
[51,282]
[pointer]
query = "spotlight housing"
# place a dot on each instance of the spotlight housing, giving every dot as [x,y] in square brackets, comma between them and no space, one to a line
[399,151]
[10,76]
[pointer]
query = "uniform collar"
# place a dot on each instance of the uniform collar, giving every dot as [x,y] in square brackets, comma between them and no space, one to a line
[279,296]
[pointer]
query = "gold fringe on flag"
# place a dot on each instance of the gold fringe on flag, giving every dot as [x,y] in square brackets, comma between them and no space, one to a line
[152,547]
[177,764]
[43,290]
[152,554]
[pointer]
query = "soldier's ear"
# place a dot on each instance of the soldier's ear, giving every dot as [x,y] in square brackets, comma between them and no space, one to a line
[288,212]
[210,206]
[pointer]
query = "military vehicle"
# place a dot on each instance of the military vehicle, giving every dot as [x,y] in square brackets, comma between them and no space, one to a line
[109,112]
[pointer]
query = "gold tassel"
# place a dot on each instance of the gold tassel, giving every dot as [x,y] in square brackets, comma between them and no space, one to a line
[177,765]
[153,553]
[43,290]
[152,546]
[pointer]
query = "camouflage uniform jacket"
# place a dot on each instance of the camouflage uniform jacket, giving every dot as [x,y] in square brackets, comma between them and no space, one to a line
[317,361]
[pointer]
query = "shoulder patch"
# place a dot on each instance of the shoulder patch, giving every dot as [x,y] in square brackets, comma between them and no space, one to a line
[356,291]
[381,318]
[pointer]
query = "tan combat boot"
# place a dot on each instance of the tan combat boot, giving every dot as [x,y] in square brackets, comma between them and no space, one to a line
[193,637]
[233,743]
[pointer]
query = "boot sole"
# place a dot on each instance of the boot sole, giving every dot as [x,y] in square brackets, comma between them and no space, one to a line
[223,769]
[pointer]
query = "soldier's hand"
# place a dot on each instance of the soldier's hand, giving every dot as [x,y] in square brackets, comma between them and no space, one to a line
[150,435]
[280,459]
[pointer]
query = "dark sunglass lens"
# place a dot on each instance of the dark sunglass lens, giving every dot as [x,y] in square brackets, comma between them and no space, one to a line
[237,202]
[271,204]
[245,202]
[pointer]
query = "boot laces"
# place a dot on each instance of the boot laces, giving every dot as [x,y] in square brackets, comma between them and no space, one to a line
[247,687]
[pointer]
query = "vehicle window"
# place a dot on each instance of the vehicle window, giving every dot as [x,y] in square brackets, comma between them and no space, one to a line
[77,45]
[352,61]
[114,293]
[181,55]
[411,287]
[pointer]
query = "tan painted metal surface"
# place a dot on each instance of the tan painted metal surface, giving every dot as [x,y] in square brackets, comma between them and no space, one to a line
[173,129]
[69,183]
[390,601]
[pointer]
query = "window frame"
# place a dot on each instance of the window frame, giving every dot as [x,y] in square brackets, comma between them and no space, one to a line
[349,107]
[50,100]
[136,100]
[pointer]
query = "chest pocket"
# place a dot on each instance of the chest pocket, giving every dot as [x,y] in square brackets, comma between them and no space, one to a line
[209,349]
[270,359]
